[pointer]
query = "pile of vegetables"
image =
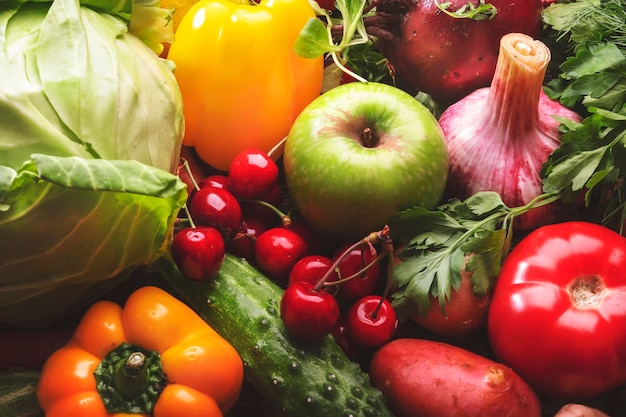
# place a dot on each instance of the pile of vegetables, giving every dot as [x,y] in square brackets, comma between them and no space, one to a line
[91,189]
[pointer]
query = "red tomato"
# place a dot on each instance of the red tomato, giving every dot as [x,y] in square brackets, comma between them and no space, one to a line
[558,311]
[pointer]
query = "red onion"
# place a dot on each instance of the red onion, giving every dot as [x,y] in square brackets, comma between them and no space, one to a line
[499,136]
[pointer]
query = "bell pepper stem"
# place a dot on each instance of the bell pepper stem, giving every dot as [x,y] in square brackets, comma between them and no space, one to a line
[130,379]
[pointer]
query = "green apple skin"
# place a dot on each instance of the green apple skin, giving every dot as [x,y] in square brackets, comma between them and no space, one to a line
[346,189]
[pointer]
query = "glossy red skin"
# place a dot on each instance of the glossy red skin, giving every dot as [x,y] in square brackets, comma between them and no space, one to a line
[308,314]
[358,258]
[424,378]
[198,252]
[215,180]
[276,252]
[561,350]
[465,312]
[447,57]
[312,268]
[216,207]
[252,173]
[242,244]
[367,329]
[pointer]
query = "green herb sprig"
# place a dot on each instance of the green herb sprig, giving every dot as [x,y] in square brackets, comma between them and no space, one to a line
[438,242]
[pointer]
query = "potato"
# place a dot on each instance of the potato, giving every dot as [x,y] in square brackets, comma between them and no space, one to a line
[579,410]
[424,378]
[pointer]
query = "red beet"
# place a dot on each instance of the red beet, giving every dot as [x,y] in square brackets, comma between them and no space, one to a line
[444,56]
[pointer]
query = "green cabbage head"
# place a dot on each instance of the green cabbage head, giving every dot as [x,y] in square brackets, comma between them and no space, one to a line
[91,128]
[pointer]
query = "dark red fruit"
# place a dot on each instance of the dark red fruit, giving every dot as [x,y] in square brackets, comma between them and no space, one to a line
[341,335]
[314,241]
[198,252]
[215,180]
[276,252]
[327,4]
[216,207]
[369,324]
[357,259]
[274,197]
[252,173]
[312,268]
[242,244]
[308,314]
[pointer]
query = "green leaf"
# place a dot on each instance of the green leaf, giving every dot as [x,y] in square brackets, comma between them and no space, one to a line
[593,59]
[481,204]
[470,11]
[75,228]
[487,251]
[107,175]
[575,170]
[313,40]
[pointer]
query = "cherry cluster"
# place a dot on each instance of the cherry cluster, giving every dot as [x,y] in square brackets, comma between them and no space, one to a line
[238,212]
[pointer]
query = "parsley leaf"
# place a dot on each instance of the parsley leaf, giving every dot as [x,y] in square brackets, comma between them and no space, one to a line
[471,236]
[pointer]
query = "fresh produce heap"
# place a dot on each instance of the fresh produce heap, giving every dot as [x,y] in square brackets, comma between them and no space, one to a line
[365,208]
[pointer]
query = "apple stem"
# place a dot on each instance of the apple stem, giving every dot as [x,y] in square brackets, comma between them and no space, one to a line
[370,239]
[368,137]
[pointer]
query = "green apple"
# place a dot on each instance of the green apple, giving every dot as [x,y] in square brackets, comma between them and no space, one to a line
[360,153]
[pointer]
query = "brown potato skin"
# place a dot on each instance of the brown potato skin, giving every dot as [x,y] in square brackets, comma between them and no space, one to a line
[424,378]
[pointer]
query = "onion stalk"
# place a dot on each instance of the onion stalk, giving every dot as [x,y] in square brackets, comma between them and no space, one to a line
[500,136]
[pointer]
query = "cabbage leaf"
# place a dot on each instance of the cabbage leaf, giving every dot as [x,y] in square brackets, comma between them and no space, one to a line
[91,127]
[51,261]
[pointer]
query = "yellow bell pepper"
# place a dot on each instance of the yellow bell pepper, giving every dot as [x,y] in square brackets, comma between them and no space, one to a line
[241,81]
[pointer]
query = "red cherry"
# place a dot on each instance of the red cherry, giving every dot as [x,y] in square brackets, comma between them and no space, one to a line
[308,314]
[357,259]
[252,173]
[342,338]
[269,216]
[242,244]
[312,268]
[370,325]
[276,252]
[216,207]
[215,180]
[315,242]
[198,252]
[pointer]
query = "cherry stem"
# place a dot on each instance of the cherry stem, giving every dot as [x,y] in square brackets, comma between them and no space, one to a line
[372,238]
[189,218]
[190,173]
[284,218]
[387,251]
[185,164]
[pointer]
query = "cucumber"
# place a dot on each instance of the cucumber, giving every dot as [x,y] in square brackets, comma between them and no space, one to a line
[295,379]
[18,396]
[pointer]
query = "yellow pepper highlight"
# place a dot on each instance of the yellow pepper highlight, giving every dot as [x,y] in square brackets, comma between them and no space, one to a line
[241,81]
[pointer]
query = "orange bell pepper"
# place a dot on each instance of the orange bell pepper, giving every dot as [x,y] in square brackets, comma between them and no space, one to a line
[154,357]
[241,81]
